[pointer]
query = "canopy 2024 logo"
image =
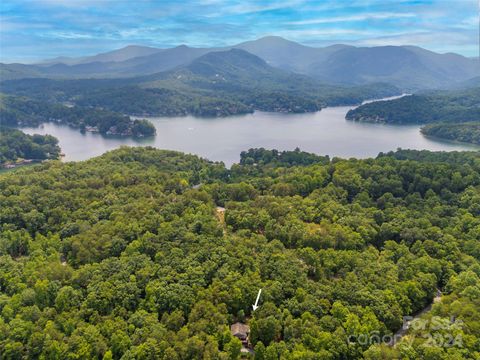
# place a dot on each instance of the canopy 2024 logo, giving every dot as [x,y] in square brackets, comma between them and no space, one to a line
[438,332]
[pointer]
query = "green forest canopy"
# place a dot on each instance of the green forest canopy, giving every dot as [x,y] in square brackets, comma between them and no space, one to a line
[123,257]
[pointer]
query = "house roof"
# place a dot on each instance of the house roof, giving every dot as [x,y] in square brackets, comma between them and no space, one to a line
[240,329]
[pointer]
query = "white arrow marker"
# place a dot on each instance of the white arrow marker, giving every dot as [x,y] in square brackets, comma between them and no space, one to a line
[255,306]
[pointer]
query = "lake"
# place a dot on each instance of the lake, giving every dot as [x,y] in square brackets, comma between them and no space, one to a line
[222,139]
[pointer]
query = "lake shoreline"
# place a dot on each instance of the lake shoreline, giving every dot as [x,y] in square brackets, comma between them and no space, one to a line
[222,139]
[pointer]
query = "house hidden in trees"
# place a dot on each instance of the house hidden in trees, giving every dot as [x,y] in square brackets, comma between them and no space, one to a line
[241,331]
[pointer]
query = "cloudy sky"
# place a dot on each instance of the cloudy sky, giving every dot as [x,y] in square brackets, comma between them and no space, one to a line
[39,29]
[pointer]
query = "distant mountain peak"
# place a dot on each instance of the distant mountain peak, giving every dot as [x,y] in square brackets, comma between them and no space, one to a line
[232,55]
[269,41]
[231,62]
[133,46]
[273,38]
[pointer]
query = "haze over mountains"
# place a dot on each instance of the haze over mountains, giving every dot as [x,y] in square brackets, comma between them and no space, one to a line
[408,67]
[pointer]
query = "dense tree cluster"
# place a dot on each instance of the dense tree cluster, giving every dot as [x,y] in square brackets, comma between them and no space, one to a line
[19,110]
[465,132]
[432,107]
[160,102]
[281,158]
[125,256]
[194,96]
[15,145]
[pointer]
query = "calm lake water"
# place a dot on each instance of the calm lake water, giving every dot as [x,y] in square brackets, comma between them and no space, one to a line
[222,139]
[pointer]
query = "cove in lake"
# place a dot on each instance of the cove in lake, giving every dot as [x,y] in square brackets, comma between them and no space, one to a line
[222,139]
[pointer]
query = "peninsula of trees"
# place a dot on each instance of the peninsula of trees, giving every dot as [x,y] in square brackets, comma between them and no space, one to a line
[465,132]
[23,111]
[424,108]
[17,147]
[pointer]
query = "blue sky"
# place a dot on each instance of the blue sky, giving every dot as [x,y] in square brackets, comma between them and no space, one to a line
[38,29]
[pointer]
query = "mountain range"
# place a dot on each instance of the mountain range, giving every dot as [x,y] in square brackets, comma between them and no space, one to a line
[217,83]
[408,67]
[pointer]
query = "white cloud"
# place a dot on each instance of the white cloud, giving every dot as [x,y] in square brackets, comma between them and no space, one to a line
[70,35]
[423,38]
[468,23]
[361,17]
[445,41]
[323,37]
[253,7]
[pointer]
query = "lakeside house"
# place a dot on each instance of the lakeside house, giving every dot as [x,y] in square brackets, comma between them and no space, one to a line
[20,162]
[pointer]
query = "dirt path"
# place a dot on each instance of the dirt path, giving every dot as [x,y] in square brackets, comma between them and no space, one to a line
[404,329]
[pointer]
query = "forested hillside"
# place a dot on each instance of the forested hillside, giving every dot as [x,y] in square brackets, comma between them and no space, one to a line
[126,256]
[15,145]
[465,132]
[219,83]
[441,106]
